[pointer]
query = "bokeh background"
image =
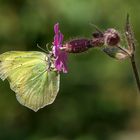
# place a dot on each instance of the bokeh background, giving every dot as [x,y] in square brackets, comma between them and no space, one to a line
[98,99]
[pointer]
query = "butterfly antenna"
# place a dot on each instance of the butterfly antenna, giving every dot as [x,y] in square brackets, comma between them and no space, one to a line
[47,47]
[41,48]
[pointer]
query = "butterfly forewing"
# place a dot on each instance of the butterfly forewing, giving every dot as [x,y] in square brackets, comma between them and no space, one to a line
[27,73]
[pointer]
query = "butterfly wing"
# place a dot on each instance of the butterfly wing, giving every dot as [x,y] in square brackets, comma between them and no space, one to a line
[35,87]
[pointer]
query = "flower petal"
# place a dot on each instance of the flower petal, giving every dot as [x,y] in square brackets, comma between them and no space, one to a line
[60,56]
[56,28]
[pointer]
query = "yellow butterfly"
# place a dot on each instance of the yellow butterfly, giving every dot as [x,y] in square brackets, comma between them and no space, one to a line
[32,77]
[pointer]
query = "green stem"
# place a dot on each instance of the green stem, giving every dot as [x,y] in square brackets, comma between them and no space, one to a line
[136,74]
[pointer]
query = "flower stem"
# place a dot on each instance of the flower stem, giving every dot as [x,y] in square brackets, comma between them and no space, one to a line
[131,46]
[135,71]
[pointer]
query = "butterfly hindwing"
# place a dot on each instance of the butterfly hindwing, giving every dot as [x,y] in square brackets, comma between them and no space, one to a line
[27,73]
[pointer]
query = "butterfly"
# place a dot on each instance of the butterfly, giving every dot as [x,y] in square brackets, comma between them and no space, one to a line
[35,76]
[32,76]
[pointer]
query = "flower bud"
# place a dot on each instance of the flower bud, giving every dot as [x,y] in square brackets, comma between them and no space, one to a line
[97,42]
[116,53]
[97,34]
[111,37]
[77,45]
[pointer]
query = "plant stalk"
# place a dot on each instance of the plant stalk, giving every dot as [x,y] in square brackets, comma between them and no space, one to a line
[135,71]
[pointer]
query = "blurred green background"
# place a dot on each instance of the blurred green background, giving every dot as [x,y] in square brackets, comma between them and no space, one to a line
[98,99]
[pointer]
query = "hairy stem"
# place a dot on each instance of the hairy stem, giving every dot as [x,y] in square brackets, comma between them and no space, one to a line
[136,74]
[131,46]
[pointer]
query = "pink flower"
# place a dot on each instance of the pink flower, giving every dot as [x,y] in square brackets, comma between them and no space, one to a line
[60,55]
